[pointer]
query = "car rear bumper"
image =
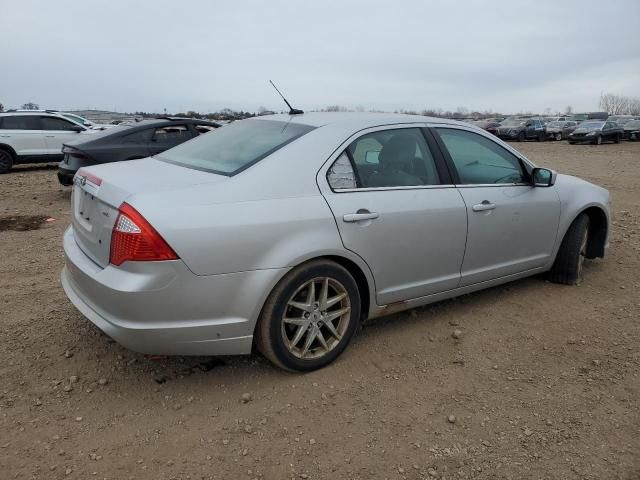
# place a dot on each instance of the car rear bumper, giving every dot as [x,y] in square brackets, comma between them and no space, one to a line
[163,308]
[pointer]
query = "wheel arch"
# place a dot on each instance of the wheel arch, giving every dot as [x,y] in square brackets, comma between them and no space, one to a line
[9,148]
[598,231]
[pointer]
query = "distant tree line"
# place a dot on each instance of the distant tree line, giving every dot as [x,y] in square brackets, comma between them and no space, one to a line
[619,104]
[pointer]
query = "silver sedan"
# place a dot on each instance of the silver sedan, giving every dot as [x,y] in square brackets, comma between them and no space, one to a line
[285,232]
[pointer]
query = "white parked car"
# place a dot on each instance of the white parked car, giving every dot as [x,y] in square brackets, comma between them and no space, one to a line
[35,136]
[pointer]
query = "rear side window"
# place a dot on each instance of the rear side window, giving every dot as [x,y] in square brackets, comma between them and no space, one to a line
[20,122]
[52,123]
[479,160]
[203,128]
[230,149]
[171,134]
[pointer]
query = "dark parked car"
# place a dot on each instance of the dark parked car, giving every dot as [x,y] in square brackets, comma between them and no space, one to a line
[560,130]
[632,130]
[128,141]
[596,132]
[521,129]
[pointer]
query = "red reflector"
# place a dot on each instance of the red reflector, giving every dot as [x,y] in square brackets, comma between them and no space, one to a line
[134,239]
[97,181]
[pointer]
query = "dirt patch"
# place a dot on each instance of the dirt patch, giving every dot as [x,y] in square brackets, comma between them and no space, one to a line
[22,223]
[528,380]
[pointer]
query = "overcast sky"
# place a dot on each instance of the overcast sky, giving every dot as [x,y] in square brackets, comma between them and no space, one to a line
[507,56]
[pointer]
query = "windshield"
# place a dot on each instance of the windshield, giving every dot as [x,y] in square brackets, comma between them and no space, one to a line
[591,125]
[76,119]
[232,148]
[512,122]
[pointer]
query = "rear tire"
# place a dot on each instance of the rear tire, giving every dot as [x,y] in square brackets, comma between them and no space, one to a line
[616,139]
[521,137]
[567,268]
[558,136]
[294,344]
[6,161]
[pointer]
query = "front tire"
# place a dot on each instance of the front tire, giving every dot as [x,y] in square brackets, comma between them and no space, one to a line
[567,268]
[309,317]
[521,137]
[616,139]
[598,140]
[6,161]
[558,136]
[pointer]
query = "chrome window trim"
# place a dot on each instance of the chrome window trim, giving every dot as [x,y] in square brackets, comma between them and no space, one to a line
[475,185]
[384,189]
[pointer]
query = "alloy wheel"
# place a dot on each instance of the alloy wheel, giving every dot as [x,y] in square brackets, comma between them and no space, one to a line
[316,317]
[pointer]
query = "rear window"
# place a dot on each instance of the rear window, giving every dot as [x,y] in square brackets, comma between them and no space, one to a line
[235,147]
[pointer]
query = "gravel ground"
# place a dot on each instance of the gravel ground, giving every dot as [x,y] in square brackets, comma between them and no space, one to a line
[542,383]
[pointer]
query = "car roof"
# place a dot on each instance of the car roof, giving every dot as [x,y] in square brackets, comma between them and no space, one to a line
[355,119]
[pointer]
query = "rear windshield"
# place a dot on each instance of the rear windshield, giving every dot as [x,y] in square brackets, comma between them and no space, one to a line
[230,149]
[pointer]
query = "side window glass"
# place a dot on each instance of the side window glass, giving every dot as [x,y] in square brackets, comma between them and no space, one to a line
[52,123]
[21,122]
[203,128]
[341,174]
[393,158]
[479,160]
[171,134]
[141,137]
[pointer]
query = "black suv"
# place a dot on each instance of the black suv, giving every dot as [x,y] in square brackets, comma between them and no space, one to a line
[521,129]
[128,141]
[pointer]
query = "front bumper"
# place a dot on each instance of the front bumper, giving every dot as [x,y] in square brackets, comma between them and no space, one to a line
[164,308]
[590,139]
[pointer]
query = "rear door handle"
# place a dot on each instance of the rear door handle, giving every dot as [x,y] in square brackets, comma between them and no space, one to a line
[485,205]
[360,216]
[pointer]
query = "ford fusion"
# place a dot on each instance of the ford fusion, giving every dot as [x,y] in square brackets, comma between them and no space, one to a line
[283,233]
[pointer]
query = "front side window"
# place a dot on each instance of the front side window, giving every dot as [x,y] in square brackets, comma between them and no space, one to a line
[391,158]
[53,123]
[478,160]
[20,122]
[230,149]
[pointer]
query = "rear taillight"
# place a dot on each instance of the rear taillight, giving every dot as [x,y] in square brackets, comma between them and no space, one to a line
[133,238]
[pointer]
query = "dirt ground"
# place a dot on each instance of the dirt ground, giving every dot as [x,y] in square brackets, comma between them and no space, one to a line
[543,383]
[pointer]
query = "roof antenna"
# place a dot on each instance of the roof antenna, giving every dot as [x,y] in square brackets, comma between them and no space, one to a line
[292,111]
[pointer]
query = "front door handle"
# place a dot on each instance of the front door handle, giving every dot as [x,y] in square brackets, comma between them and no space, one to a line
[361,215]
[50,136]
[485,205]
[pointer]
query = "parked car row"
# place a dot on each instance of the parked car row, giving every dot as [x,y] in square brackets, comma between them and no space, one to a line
[591,130]
[50,136]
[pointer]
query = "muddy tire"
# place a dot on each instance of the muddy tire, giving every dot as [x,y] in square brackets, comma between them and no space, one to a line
[310,317]
[6,161]
[567,268]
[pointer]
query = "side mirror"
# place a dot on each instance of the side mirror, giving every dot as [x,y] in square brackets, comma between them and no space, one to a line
[77,128]
[543,177]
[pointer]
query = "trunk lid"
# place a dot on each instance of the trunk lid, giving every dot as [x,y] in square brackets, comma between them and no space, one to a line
[99,190]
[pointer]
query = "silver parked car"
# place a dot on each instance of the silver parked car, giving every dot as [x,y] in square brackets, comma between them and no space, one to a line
[286,231]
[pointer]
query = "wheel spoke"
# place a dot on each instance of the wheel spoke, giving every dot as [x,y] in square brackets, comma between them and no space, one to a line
[311,336]
[333,300]
[298,336]
[332,330]
[296,321]
[311,294]
[324,294]
[321,339]
[336,314]
[300,306]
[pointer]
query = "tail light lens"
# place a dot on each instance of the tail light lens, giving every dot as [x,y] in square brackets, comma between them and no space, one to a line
[133,238]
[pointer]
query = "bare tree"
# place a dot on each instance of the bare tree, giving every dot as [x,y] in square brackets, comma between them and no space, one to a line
[568,110]
[614,104]
[30,106]
[634,106]
[1,107]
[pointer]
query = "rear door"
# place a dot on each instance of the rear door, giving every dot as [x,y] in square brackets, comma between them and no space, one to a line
[58,131]
[396,208]
[512,225]
[23,133]
[168,136]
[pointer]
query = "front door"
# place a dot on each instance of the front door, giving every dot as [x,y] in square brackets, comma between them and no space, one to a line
[24,134]
[512,225]
[58,131]
[397,210]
